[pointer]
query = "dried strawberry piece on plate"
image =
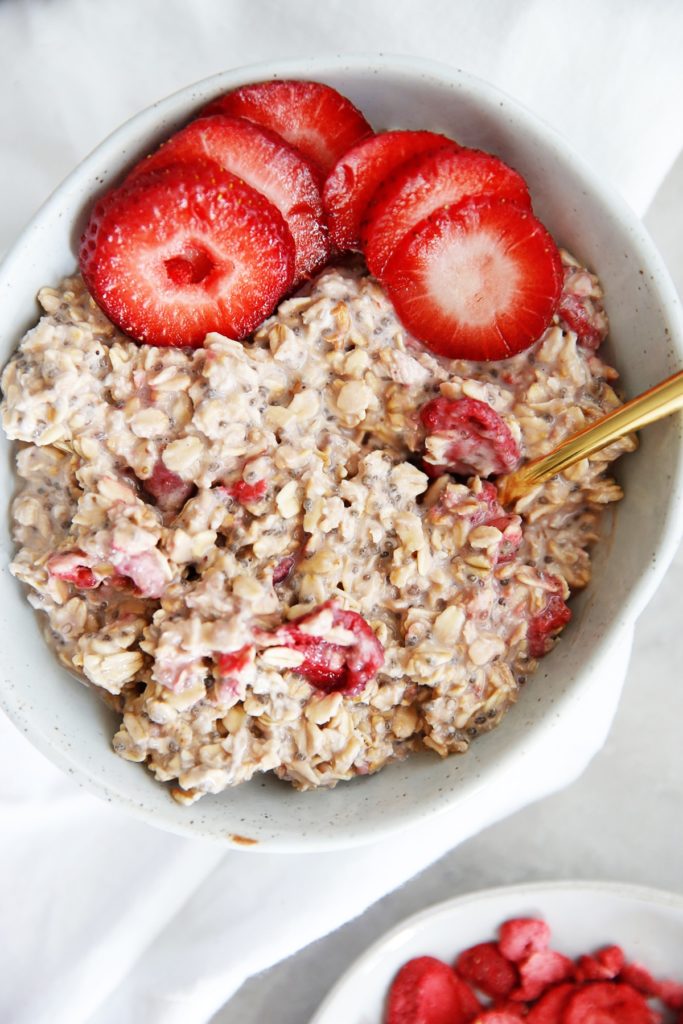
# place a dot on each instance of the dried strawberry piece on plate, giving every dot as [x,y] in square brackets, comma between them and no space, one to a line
[479,280]
[313,117]
[353,180]
[607,1002]
[539,970]
[339,649]
[479,440]
[547,623]
[602,965]
[186,250]
[551,1004]
[427,991]
[485,967]
[267,163]
[521,936]
[497,1017]
[424,184]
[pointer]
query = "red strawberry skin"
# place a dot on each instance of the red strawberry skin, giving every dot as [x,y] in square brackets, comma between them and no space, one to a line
[267,163]
[425,183]
[479,280]
[314,118]
[353,180]
[186,250]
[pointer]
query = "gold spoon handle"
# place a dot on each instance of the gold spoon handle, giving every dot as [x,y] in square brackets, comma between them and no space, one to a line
[660,401]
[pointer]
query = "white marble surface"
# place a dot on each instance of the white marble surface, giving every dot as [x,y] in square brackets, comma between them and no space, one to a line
[623,819]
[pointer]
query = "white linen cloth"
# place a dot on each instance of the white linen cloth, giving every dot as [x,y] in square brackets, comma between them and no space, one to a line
[102,918]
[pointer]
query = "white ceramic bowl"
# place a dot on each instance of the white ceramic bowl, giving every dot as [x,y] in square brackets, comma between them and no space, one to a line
[565,712]
[582,916]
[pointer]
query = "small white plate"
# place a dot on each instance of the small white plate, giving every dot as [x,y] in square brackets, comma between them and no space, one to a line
[583,916]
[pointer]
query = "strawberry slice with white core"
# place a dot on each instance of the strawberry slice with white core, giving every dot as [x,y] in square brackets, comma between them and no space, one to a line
[479,280]
[186,250]
[423,185]
[314,118]
[268,164]
[354,179]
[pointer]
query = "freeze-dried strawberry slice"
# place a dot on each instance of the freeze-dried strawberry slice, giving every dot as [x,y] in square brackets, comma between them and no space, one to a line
[517,1011]
[426,183]
[339,649]
[186,250]
[547,623]
[497,1017]
[426,991]
[485,967]
[602,965]
[353,180]
[480,280]
[70,566]
[641,979]
[314,118]
[479,440]
[607,1002]
[550,1006]
[671,994]
[521,936]
[267,163]
[539,970]
[580,316]
[169,491]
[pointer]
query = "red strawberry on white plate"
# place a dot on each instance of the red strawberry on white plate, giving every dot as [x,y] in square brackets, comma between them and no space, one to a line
[268,164]
[314,118]
[480,280]
[186,250]
[354,179]
[423,185]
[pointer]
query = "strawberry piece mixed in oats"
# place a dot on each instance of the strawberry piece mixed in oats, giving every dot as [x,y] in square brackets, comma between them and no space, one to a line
[472,436]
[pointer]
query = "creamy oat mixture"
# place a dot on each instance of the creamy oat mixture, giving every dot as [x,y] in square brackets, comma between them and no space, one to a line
[177,506]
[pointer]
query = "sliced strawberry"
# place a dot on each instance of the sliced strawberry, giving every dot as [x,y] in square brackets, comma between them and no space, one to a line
[480,280]
[340,650]
[604,1002]
[186,250]
[423,185]
[426,991]
[268,164]
[314,118]
[479,440]
[353,180]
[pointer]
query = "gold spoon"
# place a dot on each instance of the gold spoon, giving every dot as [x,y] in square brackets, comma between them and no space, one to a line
[660,401]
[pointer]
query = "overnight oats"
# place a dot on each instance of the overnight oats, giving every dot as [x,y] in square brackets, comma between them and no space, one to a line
[286,553]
